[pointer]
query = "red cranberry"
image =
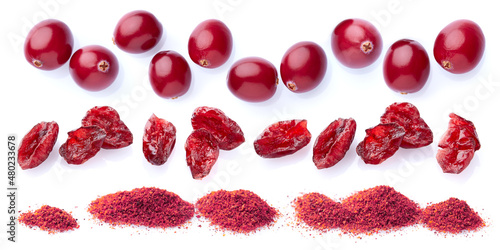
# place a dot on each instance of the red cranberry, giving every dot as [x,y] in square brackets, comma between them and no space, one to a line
[303,67]
[459,46]
[210,44]
[356,43]
[93,67]
[252,79]
[169,74]
[137,32]
[49,44]
[406,66]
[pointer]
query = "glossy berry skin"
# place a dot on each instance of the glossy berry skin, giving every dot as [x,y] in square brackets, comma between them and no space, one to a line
[169,74]
[210,44]
[459,46]
[356,43]
[406,66]
[93,67]
[48,45]
[253,79]
[137,32]
[303,67]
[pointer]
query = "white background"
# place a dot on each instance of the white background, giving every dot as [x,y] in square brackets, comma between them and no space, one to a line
[266,29]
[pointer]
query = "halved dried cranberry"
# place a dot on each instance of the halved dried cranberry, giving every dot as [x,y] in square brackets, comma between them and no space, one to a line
[158,140]
[202,151]
[82,144]
[332,144]
[282,138]
[380,143]
[117,133]
[227,132]
[37,144]
[418,134]
[458,145]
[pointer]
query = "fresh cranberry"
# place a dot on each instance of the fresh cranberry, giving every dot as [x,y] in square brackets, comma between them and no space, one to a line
[49,45]
[253,79]
[303,67]
[356,43]
[137,32]
[169,74]
[210,44]
[406,66]
[93,67]
[459,46]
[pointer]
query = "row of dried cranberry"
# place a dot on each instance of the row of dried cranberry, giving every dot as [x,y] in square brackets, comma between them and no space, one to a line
[400,126]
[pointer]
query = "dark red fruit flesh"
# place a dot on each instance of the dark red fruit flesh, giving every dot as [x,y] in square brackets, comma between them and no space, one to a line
[459,46]
[253,79]
[118,135]
[282,138]
[303,67]
[210,44]
[332,144]
[93,67]
[169,74]
[457,145]
[48,45]
[202,151]
[37,144]
[380,143]
[356,43]
[417,132]
[158,140]
[227,132]
[137,32]
[406,66]
[82,144]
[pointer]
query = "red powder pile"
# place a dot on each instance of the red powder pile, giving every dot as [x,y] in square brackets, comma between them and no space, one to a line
[320,212]
[150,207]
[239,211]
[380,208]
[451,216]
[50,219]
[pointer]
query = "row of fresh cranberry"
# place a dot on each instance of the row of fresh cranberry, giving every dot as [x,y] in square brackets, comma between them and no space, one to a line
[400,127]
[356,43]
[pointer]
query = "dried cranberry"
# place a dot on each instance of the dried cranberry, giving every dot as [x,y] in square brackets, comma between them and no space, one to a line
[158,140]
[418,134]
[282,138]
[227,132]
[458,145]
[202,151]
[332,144]
[37,144]
[117,133]
[380,143]
[82,144]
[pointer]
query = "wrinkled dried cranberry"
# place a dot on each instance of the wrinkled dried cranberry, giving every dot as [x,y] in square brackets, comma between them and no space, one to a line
[82,144]
[380,143]
[158,140]
[202,151]
[227,132]
[282,138]
[37,144]
[458,145]
[418,134]
[117,133]
[332,144]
